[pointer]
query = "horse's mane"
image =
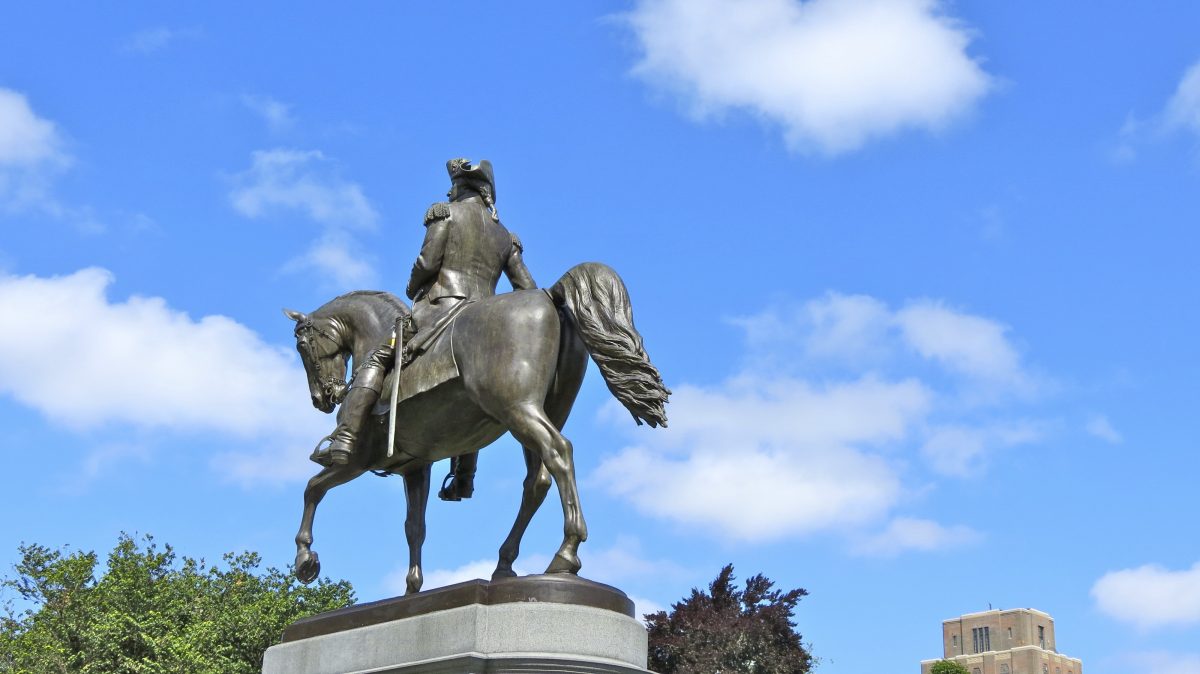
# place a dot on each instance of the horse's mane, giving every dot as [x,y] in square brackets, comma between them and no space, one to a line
[391,300]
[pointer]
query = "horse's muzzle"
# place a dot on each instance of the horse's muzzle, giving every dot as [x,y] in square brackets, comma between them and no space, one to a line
[323,403]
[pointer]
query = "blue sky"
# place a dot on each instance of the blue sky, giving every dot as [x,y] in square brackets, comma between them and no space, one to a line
[921,275]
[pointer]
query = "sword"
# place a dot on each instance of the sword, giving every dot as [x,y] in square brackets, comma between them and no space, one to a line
[398,346]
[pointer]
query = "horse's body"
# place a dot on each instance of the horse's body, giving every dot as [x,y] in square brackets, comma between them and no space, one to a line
[521,358]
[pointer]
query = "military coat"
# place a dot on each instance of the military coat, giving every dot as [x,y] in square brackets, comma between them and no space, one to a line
[464,252]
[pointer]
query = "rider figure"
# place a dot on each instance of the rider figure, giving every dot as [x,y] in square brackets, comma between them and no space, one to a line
[464,252]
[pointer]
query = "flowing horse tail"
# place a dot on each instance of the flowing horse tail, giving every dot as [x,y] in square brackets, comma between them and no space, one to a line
[598,305]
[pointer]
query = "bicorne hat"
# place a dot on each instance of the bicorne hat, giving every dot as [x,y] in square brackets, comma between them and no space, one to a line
[461,169]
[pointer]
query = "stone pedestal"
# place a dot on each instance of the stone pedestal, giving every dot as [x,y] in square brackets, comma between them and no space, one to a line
[541,624]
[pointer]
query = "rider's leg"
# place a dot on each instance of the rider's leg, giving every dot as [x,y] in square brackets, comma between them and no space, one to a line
[426,316]
[460,483]
[464,475]
[364,393]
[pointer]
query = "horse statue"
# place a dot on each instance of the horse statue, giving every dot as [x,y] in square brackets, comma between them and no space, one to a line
[517,361]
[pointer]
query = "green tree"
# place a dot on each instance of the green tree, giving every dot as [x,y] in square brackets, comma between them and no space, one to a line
[730,631]
[150,613]
[948,667]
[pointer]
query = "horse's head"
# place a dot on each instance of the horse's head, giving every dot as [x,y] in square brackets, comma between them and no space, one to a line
[319,342]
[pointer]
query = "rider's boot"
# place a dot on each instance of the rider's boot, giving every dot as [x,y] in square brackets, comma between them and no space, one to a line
[364,393]
[460,483]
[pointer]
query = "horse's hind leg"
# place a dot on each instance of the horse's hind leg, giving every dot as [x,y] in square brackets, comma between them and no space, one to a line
[530,426]
[537,476]
[416,492]
[308,566]
[533,493]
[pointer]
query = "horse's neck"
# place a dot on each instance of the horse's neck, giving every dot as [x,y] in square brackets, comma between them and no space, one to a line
[363,331]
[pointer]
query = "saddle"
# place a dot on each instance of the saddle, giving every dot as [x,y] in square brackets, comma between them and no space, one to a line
[428,360]
[418,343]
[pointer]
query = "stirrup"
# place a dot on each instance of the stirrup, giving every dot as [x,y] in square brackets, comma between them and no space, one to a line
[322,458]
[448,491]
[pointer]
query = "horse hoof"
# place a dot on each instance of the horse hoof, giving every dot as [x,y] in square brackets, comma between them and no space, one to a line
[413,581]
[308,567]
[501,574]
[564,564]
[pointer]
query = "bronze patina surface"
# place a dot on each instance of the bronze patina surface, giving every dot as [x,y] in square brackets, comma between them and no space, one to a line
[554,589]
[515,362]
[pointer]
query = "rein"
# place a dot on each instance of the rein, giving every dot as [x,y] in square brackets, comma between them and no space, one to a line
[306,332]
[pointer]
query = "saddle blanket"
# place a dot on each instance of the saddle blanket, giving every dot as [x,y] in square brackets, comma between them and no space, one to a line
[432,367]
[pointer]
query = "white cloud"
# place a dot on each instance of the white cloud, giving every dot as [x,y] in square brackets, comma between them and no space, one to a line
[104,459]
[960,450]
[833,73]
[1183,110]
[862,331]
[25,138]
[619,562]
[1180,114]
[964,343]
[336,258]
[276,114]
[1100,427]
[790,447]
[1162,662]
[481,568]
[613,565]
[847,326]
[905,533]
[624,561]
[1150,596]
[396,581]
[31,153]
[761,459]
[1125,150]
[84,360]
[156,39]
[642,606]
[282,180]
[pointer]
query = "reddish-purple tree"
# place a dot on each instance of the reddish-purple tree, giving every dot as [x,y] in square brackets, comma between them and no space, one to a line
[730,631]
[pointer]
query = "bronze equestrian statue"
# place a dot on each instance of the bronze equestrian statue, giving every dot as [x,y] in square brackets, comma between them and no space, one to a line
[465,250]
[475,365]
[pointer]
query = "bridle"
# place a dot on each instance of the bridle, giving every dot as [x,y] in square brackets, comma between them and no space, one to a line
[307,332]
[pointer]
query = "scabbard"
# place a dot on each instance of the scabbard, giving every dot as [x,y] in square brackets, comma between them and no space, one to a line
[398,349]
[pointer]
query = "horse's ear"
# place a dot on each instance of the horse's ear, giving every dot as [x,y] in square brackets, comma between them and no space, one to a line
[294,315]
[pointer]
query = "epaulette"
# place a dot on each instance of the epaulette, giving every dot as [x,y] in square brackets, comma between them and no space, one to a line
[438,211]
[516,242]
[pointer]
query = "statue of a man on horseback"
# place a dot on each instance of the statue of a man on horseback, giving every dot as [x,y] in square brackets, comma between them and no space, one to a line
[472,366]
[462,257]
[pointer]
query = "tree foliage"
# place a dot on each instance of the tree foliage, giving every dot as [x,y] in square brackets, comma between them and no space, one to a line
[948,667]
[150,613]
[730,631]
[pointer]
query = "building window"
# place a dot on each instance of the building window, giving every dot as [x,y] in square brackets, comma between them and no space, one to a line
[1010,634]
[1003,668]
[1042,640]
[981,639]
[975,671]
[954,642]
[1045,668]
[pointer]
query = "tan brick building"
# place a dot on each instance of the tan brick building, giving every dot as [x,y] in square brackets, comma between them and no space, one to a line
[1016,641]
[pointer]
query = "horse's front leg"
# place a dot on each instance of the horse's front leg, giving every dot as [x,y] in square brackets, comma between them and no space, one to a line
[416,492]
[308,565]
[537,484]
